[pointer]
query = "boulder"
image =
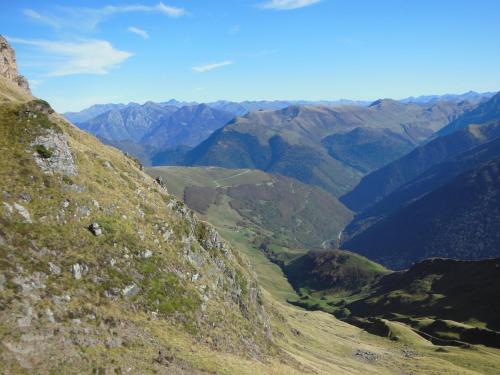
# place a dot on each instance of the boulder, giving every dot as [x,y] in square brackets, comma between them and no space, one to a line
[95,229]
[23,212]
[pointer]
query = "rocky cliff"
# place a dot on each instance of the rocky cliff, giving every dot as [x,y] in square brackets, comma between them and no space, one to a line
[8,66]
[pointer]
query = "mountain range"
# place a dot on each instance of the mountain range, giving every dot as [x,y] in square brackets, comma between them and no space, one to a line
[124,125]
[241,108]
[439,200]
[143,130]
[297,141]
[235,108]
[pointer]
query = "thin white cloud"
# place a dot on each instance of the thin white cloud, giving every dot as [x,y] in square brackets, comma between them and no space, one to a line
[83,57]
[40,18]
[208,67]
[89,18]
[142,33]
[287,4]
[160,8]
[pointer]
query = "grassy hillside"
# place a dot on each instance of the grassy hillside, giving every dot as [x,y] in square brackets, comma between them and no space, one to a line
[450,300]
[322,278]
[332,271]
[294,141]
[278,209]
[445,301]
[330,281]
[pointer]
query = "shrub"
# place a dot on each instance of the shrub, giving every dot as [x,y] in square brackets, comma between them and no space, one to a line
[43,151]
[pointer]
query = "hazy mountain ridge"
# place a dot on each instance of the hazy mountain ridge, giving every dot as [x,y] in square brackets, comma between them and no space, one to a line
[241,108]
[93,111]
[470,96]
[236,108]
[157,125]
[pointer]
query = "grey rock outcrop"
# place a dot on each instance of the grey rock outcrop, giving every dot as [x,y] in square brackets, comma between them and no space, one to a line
[8,66]
[60,159]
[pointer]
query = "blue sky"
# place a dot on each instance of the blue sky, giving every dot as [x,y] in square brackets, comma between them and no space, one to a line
[78,53]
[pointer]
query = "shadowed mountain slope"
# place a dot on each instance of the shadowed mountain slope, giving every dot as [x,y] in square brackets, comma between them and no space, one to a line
[457,220]
[380,183]
[425,183]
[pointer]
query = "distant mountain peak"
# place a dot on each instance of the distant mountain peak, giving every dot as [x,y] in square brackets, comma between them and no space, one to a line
[384,103]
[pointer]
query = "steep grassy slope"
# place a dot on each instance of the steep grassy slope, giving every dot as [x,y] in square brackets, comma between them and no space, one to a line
[290,141]
[279,210]
[457,220]
[379,184]
[99,265]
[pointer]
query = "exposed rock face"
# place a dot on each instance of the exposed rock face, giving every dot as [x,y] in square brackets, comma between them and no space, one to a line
[58,158]
[8,66]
